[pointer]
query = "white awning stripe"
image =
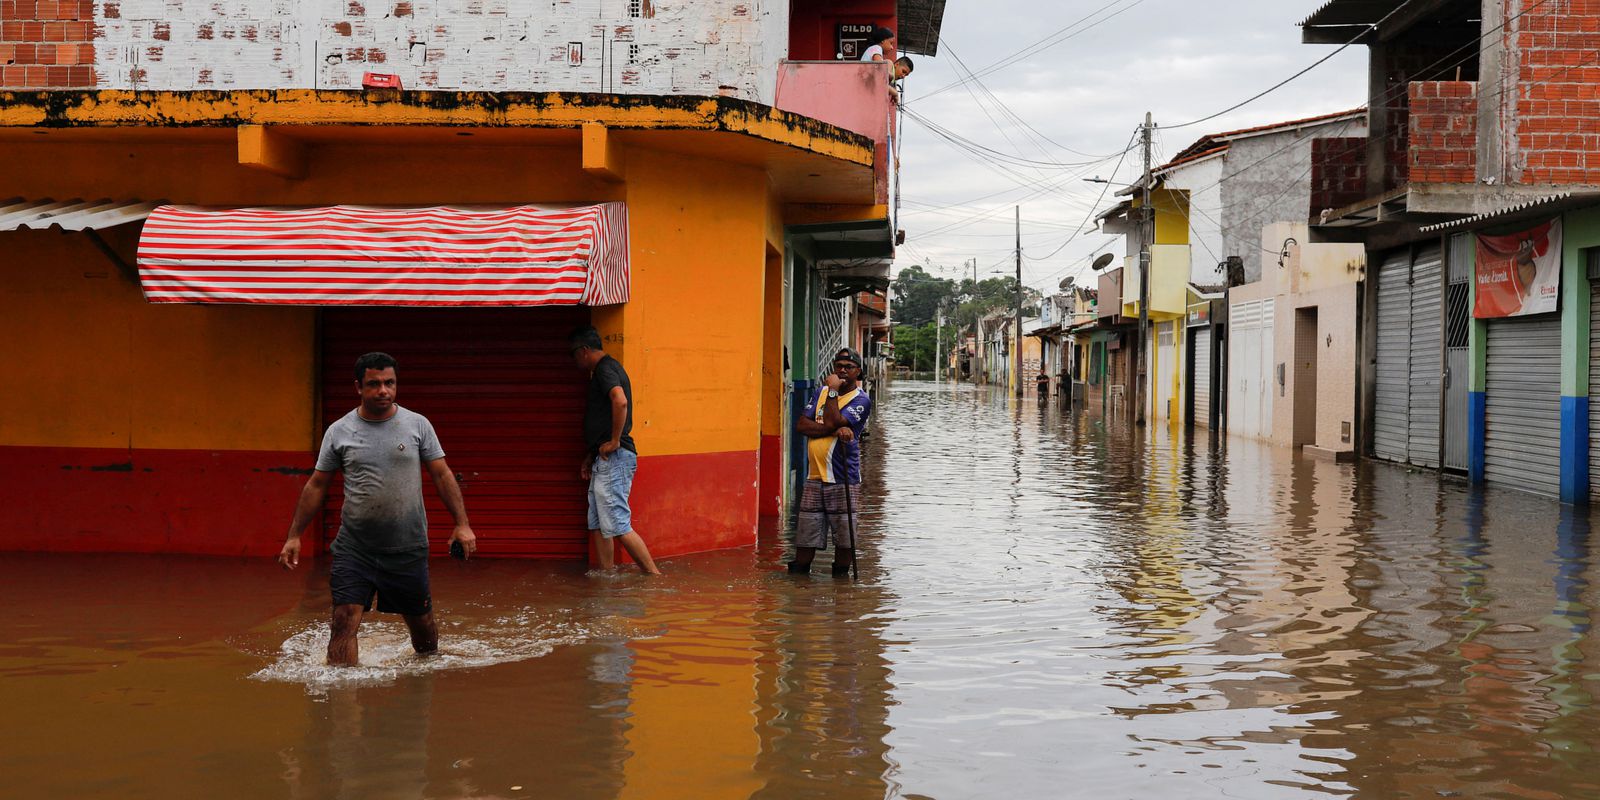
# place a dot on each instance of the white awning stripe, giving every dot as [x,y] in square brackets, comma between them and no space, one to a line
[339,255]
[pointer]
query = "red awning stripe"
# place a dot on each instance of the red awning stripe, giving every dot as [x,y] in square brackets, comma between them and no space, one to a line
[386,256]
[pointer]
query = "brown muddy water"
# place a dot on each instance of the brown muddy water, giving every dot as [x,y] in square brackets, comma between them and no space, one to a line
[1045,609]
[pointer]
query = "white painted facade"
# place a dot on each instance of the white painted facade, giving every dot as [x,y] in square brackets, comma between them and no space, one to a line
[646,47]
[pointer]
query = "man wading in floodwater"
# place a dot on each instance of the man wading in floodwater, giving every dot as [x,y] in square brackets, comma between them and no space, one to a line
[832,423]
[382,546]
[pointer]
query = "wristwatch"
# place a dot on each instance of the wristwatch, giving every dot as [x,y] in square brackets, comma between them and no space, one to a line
[833,393]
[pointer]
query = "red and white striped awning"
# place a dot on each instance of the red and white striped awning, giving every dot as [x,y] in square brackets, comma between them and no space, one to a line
[354,255]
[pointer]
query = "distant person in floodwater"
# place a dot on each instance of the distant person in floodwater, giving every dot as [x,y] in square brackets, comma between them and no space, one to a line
[382,546]
[830,500]
[611,460]
[880,45]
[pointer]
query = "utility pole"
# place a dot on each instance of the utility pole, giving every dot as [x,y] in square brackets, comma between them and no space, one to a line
[938,338]
[975,360]
[1147,236]
[1016,346]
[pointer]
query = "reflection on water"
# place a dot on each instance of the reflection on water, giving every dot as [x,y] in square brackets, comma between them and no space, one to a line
[1047,607]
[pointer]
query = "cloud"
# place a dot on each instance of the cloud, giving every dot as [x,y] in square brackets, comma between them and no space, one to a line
[1179,59]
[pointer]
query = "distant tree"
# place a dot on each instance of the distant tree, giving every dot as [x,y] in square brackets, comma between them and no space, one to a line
[917,295]
[990,294]
[914,345]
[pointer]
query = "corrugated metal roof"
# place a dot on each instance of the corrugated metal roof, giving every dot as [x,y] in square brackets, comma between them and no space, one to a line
[1506,211]
[919,22]
[72,215]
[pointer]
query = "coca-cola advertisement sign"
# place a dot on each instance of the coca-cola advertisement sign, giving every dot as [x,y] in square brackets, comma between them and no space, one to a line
[1518,273]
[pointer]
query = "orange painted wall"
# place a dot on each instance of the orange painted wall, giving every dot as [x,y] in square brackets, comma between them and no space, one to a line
[88,363]
[209,378]
[693,331]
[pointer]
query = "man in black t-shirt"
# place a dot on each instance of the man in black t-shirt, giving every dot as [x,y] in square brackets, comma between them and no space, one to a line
[611,459]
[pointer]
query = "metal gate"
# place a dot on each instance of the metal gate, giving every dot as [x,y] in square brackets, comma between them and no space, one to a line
[1522,411]
[1427,357]
[1457,328]
[502,392]
[1410,368]
[1393,372]
[1594,384]
[831,321]
[1201,358]
[1250,368]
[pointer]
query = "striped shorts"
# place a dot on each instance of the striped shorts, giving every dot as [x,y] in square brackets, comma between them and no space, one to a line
[824,510]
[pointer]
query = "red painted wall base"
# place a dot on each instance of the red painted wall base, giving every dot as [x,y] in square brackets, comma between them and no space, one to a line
[201,502]
[238,503]
[770,502]
[693,503]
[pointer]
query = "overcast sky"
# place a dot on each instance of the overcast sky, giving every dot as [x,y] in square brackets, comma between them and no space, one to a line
[1178,59]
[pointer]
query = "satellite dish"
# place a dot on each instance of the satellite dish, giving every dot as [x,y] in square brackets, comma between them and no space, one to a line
[1066,283]
[1101,262]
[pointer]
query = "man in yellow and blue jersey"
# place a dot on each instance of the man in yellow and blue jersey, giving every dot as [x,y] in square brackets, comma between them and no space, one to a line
[832,423]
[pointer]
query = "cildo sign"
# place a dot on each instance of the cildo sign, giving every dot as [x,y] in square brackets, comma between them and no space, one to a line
[1519,273]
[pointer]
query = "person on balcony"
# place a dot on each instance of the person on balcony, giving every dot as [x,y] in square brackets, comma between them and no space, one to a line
[880,45]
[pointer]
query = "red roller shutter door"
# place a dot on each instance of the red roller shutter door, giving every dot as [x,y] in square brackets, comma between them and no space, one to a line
[507,402]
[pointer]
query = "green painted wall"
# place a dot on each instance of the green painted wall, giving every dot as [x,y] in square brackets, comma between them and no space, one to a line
[1579,230]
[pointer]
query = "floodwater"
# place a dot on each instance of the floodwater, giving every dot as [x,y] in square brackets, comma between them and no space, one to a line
[1046,608]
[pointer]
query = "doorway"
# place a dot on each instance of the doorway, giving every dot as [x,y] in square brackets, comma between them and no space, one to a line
[506,400]
[1305,376]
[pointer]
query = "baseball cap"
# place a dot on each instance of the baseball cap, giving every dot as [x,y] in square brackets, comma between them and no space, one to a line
[846,354]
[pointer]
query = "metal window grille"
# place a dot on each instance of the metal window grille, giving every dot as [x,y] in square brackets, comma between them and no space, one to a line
[831,320]
[1458,314]
[633,54]
[635,8]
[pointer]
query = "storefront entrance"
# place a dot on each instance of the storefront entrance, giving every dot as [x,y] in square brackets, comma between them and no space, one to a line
[507,402]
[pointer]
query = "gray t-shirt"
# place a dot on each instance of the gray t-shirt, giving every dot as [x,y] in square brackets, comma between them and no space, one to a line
[382,463]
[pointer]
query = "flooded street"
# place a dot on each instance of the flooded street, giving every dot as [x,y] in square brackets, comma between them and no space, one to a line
[1046,608]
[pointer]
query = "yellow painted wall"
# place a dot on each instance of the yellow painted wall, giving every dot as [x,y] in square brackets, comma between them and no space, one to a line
[1172,215]
[88,363]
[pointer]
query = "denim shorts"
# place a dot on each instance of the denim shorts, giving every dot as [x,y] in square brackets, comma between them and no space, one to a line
[610,481]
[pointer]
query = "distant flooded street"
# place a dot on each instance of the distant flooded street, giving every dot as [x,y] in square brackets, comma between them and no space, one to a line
[1047,607]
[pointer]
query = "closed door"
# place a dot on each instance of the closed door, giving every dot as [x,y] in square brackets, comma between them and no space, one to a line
[1201,371]
[1392,379]
[1522,404]
[1166,368]
[1424,390]
[1268,367]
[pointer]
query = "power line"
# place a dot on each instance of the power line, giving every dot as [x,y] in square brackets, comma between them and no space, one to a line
[1048,42]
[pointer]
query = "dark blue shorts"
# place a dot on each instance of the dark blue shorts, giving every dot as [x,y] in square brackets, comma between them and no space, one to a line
[400,583]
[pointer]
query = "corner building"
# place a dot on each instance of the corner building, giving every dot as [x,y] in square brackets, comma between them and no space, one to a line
[138,421]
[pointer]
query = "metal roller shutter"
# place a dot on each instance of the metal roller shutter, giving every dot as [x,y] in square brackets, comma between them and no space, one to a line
[1522,411]
[507,402]
[1393,374]
[1202,376]
[1594,388]
[1427,354]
